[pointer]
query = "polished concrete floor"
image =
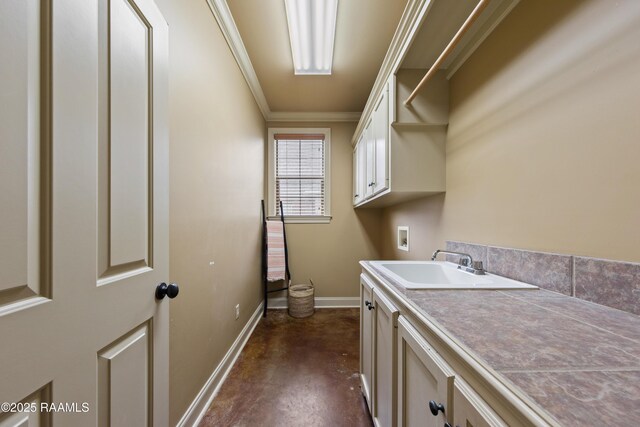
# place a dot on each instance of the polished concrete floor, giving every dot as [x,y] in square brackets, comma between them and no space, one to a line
[295,372]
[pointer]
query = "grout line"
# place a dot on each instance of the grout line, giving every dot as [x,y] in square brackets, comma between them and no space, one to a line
[562,313]
[573,276]
[541,370]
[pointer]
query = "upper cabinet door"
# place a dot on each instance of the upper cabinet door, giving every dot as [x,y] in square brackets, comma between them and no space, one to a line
[381,136]
[356,175]
[359,171]
[369,141]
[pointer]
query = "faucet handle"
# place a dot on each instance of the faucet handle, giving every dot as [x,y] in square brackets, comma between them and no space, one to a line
[477,265]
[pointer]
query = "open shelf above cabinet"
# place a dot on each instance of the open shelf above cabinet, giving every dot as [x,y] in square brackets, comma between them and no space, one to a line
[399,150]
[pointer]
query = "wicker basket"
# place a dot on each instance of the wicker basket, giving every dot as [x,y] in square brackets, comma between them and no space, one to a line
[301,300]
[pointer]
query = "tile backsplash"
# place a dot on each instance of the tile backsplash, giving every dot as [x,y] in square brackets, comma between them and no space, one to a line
[611,283]
[616,284]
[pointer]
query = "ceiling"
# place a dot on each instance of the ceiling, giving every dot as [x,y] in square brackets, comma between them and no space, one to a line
[363,34]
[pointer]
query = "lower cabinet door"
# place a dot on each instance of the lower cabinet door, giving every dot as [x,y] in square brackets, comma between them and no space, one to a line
[366,338]
[470,410]
[384,361]
[425,381]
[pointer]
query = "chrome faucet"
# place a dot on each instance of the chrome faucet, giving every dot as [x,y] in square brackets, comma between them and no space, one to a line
[465,262]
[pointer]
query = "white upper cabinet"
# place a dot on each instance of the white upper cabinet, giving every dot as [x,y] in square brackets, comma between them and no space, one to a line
[359,167]
[381,138]
[405,145]
[404,160]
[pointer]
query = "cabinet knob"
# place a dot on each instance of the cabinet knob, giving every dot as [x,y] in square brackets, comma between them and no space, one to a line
[369,305]
[435,407]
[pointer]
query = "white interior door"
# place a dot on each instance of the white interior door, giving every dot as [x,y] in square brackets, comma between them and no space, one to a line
[84,213]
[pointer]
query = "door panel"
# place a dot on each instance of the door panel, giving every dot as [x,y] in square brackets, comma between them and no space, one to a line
[128,138]
[29,413]
[86,145]
[125,140]
[123,380]
[21,99]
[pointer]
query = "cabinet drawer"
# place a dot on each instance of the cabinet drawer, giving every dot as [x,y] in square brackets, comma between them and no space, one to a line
[423,376]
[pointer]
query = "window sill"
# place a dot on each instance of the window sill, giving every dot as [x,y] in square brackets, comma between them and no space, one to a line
[311,219]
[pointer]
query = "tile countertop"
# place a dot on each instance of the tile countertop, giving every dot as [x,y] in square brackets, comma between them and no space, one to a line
[578,360]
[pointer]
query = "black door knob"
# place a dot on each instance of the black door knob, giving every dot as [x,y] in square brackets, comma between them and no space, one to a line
[435,407]
[170,290]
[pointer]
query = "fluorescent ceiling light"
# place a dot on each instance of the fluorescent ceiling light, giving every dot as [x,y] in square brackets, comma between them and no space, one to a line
[312,30]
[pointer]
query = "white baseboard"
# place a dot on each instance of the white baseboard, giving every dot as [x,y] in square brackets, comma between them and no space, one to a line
[201,403]
[320,302]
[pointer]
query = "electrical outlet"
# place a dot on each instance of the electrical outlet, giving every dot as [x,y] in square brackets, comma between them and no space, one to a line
[237,311]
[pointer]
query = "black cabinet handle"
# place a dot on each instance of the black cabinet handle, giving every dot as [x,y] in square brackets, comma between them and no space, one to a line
[170,290]
[369,305]
[435,407]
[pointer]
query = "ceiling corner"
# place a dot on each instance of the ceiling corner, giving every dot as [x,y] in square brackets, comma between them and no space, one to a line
[227,25]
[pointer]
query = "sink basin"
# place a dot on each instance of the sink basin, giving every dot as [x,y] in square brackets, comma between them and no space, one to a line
[443,275]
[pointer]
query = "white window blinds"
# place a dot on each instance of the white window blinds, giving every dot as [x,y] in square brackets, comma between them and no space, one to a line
[300,174]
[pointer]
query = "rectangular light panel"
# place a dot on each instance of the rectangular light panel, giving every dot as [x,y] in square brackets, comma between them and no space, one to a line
[312,29]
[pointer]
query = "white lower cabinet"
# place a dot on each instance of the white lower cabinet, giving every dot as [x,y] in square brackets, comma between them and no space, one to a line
[404,380]
[470,410]
[425,381]
[378,339]
[366,337]
[384,361]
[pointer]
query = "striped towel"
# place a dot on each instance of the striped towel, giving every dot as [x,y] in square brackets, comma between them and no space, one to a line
[275,251]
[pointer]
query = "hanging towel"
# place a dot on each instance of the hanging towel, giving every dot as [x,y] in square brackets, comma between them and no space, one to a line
[275,251]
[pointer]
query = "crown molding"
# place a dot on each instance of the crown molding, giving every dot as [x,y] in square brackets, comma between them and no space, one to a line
[227,25]
[296,116]
[414,13]
[222,14]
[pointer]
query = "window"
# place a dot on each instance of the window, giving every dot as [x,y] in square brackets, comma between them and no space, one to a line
[299,174]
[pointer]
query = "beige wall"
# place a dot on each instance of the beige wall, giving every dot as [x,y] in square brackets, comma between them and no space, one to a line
[329,253]
[217,157]
[544,138]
